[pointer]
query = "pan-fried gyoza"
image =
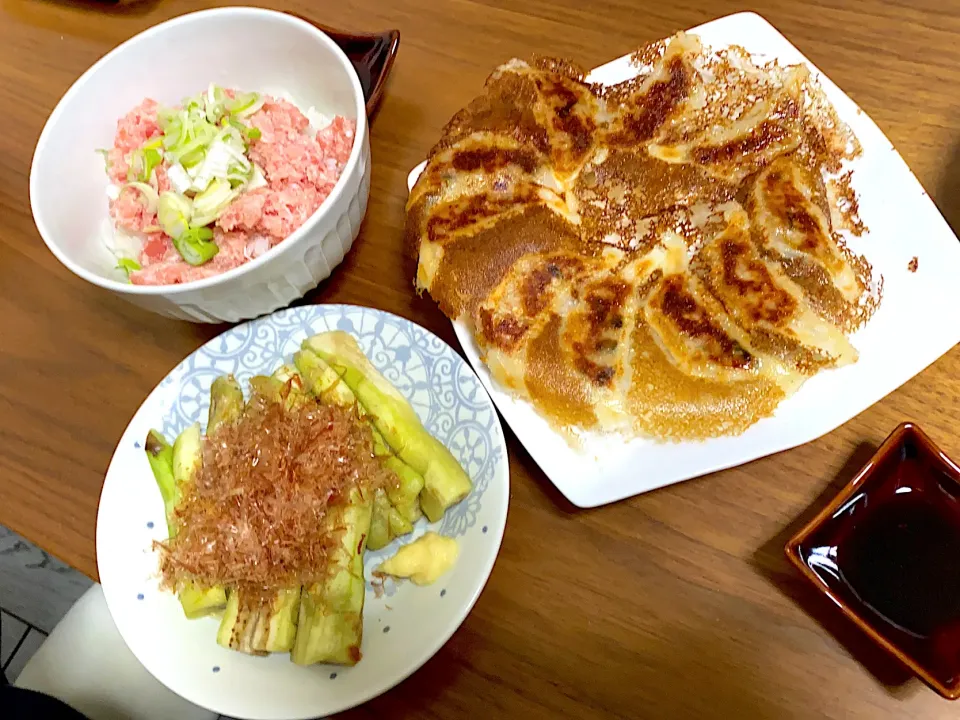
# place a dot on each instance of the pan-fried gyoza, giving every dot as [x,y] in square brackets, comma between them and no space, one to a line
[659,257]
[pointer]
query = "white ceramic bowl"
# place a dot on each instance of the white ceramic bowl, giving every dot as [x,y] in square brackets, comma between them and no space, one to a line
[246,48]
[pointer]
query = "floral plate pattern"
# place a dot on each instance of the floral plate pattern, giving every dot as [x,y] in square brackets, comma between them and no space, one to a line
[403,624]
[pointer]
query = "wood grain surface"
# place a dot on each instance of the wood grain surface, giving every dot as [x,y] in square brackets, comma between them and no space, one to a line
[676,604]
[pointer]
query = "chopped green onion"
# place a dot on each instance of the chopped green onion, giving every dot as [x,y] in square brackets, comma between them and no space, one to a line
[238,177]
[203,233]
[247,132]
[174,213]
[239,157]
[194,106]
[193,158]
[166,115]
[232,132]
[209,204]
[172,133]
[128,265]
[215,100]
[244,104]
[196,245]
[143,160]
[187,131]
[151,159]
[197,139]
[203,140]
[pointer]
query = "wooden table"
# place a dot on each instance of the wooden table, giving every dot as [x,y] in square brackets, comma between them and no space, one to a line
[676,604]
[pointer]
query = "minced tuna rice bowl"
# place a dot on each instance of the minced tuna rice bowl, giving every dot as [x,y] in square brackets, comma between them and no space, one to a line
[203,187]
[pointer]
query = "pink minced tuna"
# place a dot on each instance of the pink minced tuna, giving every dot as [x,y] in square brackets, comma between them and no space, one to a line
[300,168]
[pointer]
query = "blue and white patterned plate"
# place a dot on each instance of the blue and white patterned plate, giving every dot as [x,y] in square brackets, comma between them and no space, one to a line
[404,625]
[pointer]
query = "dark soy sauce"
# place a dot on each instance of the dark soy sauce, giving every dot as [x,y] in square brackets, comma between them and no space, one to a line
[893,554]
[903,562]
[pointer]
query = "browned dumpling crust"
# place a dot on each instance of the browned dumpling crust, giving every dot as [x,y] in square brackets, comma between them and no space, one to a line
[659,257]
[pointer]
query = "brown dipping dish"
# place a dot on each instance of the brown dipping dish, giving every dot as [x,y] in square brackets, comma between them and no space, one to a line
[886,551]
[371,54]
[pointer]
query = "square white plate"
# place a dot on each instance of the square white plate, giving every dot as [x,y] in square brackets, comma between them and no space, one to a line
[915,324]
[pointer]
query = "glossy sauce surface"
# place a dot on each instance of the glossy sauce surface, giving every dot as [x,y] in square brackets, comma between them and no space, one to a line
[892,553]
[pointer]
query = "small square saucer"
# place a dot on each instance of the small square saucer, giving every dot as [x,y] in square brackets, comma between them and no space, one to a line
[886,551]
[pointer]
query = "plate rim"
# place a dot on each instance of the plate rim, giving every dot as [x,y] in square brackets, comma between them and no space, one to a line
[496,534]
